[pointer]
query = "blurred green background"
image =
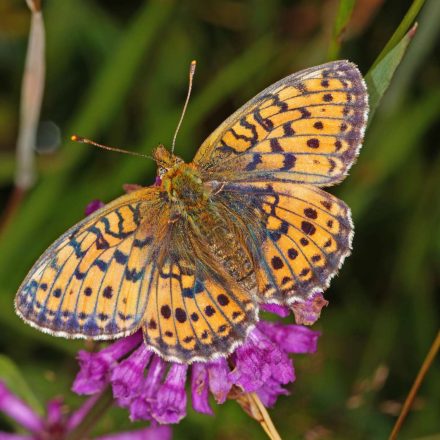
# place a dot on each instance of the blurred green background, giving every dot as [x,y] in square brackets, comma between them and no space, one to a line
[117,72]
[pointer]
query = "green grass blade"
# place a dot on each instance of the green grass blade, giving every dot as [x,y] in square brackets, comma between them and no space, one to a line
[417,57]
[342,18]
[380,75]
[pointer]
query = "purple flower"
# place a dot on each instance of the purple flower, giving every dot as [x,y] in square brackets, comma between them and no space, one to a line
[155,390]
[270,391]
[170,405]
[18,410]
[200,388]
[93,206]
[96,367]
[129,374]
[290,337]
[219,382]
[142,404]
[57,424]
[277,309]
[306,312]
[257,361]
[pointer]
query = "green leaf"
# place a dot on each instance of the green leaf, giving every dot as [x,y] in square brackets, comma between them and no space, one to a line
[11,375]
[342,18]
[379,77]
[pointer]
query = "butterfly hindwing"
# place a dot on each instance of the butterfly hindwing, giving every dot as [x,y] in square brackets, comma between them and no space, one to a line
[306,128]
[193,314]
[90,282]
[307,234]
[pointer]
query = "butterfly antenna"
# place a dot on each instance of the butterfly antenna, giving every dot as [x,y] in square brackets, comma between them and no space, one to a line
[84,140]
[192,69]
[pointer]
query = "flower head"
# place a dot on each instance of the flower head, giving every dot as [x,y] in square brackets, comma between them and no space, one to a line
[152,389]
[56,424]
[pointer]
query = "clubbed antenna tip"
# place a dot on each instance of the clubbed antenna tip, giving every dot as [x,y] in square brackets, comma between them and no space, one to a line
[192,69]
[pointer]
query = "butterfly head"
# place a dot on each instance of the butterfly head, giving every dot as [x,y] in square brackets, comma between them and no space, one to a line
[165,160]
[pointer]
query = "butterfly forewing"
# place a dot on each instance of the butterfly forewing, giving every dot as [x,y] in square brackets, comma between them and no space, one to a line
[91,281]
[306,128]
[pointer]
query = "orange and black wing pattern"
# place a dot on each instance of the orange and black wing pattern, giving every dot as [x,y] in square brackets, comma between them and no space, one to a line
[306,128]
[272,155]
[193,313]
[300,240]
[91,283]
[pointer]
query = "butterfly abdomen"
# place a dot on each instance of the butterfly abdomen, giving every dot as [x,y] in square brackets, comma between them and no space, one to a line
[226,246]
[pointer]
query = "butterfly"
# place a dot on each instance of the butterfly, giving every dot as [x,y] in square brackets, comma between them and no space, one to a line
[190,259]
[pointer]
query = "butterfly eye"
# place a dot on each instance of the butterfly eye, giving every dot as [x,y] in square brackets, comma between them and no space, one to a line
[161,171]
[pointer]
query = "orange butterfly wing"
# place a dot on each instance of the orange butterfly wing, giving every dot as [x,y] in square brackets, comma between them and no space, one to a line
[306,128]
[92,281]
[301,133]
[193,313]
[123,268]
[306,232]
